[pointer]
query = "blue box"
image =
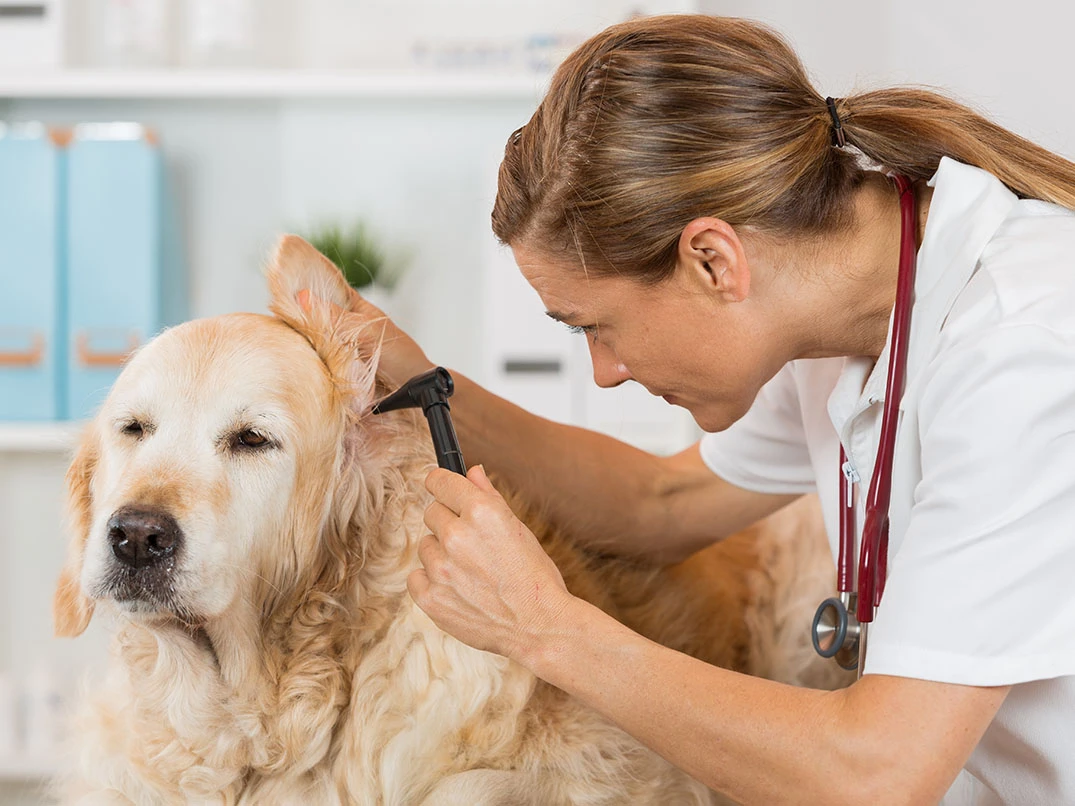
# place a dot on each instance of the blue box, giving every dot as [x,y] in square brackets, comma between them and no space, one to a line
[115,255]
[32,360]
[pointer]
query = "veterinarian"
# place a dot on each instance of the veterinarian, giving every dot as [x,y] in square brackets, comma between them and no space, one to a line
[724,236]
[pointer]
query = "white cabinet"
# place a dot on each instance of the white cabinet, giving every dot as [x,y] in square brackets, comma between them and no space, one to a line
[528,358]
[33,543]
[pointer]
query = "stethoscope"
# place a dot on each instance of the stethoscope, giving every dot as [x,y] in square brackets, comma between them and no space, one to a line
[841,623]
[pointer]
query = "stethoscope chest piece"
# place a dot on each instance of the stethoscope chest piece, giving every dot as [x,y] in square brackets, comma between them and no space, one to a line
[835,632]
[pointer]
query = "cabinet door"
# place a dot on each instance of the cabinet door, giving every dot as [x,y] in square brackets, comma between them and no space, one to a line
[114,257]
[31,339]
[528,357]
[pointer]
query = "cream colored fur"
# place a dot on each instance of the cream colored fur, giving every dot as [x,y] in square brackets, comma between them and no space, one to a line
[286,664]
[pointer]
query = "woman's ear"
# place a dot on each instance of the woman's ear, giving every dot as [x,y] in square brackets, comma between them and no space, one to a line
[712,255]
[71,608]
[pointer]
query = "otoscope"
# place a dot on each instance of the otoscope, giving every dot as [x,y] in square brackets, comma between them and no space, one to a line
[431,391]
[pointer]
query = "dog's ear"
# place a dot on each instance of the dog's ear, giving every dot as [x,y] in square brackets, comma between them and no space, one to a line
[349,347]
[297,266]
[71,608]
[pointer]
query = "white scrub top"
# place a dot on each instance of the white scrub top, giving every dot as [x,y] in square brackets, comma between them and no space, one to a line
[981,572]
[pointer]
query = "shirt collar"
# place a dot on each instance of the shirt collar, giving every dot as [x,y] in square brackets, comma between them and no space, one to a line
[967,208]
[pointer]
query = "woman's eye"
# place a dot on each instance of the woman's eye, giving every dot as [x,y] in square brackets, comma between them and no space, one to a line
[252,439]
[589,330]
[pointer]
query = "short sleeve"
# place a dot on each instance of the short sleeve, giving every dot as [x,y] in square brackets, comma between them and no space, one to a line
[765,450]
[981,591]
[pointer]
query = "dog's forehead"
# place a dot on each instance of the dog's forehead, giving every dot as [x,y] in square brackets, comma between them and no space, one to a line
[225,361]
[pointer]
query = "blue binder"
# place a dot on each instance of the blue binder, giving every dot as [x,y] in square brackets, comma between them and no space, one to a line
[31,320]
[114,255]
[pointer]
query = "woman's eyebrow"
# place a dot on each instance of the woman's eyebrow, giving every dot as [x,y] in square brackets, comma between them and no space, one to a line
[565,317]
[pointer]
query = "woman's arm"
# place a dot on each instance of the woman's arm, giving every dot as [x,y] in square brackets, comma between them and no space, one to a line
[486,580]
[883,740]
[611,495]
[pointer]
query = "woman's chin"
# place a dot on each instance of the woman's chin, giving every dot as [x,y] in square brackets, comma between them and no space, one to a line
[710,419]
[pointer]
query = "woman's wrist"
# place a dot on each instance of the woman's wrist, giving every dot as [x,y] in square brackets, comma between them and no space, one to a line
[539,646]
[576,629]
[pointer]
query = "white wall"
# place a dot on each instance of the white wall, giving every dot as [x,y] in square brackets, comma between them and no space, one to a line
[1010,60]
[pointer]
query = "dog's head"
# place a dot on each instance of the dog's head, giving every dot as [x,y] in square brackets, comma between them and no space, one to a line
[226,464]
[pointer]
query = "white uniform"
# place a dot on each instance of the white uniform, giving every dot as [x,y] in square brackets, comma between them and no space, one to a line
[981,581]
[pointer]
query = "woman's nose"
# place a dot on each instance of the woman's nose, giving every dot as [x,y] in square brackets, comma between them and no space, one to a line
[608,370]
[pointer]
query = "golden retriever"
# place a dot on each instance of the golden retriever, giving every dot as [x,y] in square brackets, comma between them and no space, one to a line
[249,529]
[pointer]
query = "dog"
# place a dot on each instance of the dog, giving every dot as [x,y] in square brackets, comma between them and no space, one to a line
[248,528]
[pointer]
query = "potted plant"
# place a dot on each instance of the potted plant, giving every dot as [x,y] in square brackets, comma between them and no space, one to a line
[361,258]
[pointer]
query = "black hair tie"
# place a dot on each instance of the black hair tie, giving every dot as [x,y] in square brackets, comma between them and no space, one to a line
[838,138]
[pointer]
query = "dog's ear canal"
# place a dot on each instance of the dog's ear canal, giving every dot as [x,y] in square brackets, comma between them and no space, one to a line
[71,608]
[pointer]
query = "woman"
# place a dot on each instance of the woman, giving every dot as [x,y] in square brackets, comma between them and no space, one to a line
[723,237]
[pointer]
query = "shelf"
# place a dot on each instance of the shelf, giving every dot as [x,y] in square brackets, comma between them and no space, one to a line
[271,84]
[39,437]
[26,767]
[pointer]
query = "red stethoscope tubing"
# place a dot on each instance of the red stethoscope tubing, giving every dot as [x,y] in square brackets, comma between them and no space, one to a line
[873,555]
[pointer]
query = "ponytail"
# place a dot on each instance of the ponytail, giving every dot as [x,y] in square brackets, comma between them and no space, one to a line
[908,130]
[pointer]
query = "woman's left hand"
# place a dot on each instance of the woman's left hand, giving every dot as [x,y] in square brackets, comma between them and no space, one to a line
[486,580]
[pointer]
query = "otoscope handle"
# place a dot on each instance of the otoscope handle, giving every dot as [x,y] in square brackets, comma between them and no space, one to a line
[445,442]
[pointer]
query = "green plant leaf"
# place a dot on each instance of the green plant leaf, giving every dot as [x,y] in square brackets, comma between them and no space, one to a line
[356,252]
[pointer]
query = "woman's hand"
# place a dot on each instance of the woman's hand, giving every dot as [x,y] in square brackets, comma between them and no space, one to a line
[369,327]
[486,579]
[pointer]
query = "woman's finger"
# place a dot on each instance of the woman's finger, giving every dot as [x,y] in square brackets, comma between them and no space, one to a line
[418,586]
[303,298]
[431,553]
[451,489]
[477,476]
[359,304]
[438,517]
[309,301]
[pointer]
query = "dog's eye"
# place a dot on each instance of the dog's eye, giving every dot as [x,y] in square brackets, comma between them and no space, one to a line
[134,429]
[251,439]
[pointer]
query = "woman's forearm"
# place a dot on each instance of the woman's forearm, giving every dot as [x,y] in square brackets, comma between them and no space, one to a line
[607,494]
[763,742]
[597,486]
[748,738]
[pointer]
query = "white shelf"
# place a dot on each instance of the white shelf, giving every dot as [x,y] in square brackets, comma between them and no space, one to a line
[271,84]
[39,437]
[26,767]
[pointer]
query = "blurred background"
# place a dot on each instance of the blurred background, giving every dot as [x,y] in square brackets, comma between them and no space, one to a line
[151,151]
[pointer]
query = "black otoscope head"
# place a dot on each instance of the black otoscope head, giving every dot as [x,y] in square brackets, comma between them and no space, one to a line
[430,392]
[425,390]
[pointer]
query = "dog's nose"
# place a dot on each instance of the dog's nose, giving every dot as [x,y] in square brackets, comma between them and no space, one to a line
[142,537]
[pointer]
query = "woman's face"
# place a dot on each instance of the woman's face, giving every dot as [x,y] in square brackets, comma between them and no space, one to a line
[680,339]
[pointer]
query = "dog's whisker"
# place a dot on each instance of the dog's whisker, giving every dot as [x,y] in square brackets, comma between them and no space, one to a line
[253,573]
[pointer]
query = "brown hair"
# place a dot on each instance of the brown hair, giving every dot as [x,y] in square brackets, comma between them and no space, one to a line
[661,120]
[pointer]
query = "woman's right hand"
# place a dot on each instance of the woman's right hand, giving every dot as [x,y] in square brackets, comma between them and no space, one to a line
[371,328]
